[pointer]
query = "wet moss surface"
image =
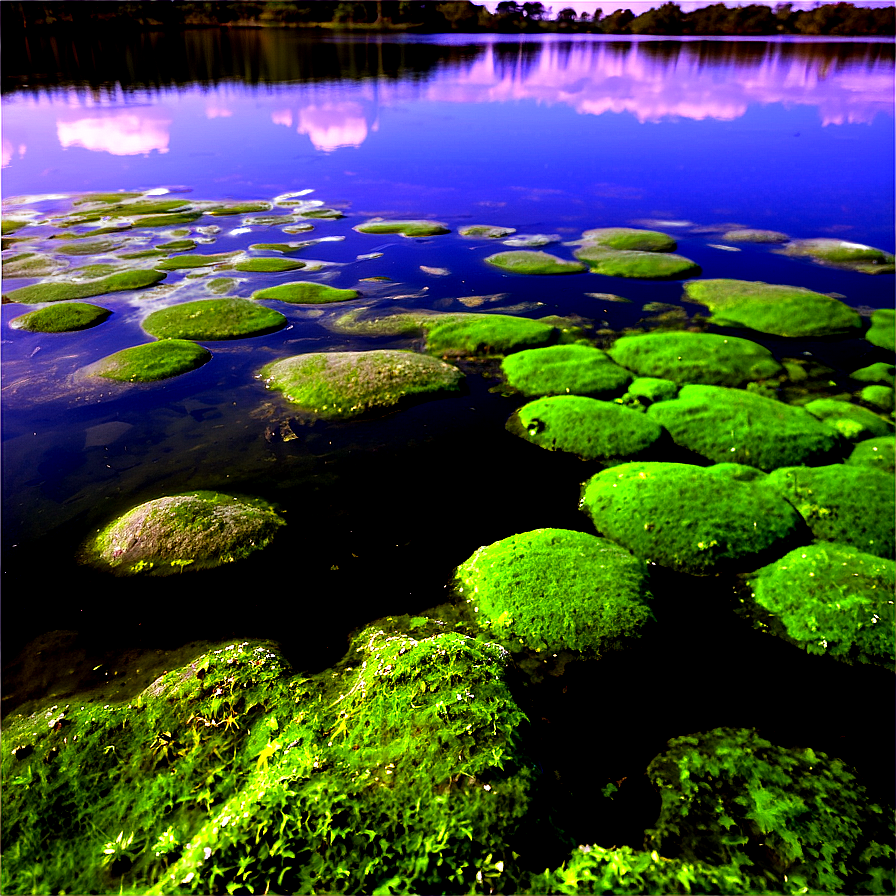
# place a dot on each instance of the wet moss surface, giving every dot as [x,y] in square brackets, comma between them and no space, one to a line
[306,293]
[151,362]
[65,291]
[630,238]
[62,318]
[268,265]
[405,228]
[636,264]
[565,370]
[523,261]
[213,319]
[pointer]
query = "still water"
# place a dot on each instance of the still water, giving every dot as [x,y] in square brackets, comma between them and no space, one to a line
[549,135]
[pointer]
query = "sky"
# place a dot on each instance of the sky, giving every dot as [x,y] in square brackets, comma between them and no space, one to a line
[639,6]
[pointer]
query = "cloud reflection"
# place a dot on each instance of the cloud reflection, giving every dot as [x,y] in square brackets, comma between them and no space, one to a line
[121,133]
[329,125]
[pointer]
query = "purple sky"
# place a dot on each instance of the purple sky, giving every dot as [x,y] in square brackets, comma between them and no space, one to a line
[639,6]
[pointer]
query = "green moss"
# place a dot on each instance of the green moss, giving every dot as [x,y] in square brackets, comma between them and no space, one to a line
[882,332]
[94,271]
[285,248]
[268,265]
[151,362]
[463,335]
[733,425]
[638,265]
[854,422]
[98,231]
[306,293]
[11,225]
[879,452]
[213,319]
[747,235]
[842,253]
[879,372]
[144,253]
[64,291]
[650,389]
[240,208]
[148,207]
[556,589]
[178,246]
[95,248]
[831,599]
[693,519]
[405,228]
[565,369]
[768,308]
[169,220]
[220,285]
[586,427]
[486,231]
[532,240]
[630,238]
[330,213]
[31,264]
[881,397]
[106,198]
[686,357]
[186,262]
[792,820]
[62,318]
[849,504]
[526,262]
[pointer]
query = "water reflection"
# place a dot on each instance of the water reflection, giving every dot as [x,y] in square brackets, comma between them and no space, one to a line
[119,132]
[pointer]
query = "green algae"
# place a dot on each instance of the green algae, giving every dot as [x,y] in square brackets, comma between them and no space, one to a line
[220,285]
[106,198]
[770,308]
[842,253]
[98,247]
[563,370]
[213,319]
[636,264]
[882,332]
[31,264]
[879,452]
[326,213]
[178,246]
[851,420]
[527,262]
[268,265]
[344,385]
[585,427]
[486,231]
[306,293]
[556,589]
[11,225]
[630,238]
[686,357]
[64,317]
[285,248]
[649,389]
[151,362]
[845,503]
[239,208]
[698,520]
[187,262]
[750,235]
[65,291]
[734,425]
[405,228]
[148,207]
[880,372]
[94,271]
[168,220]
[882,397]
[97,231]
[144,253]
[831,599]
[532,240]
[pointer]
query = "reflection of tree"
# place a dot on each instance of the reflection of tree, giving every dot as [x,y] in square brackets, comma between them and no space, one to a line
[516,60]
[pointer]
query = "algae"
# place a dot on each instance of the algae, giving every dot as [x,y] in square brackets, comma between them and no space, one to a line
[565,369]
[151,362]
[62,318]
[630,238]
[213,319]
[268,265]
[851,420]
[842,253]
[31,264]
[637,264]
[239,208]
[306,293]
[405,228]
[64,291]
[486,231]
[526,262]
[748,235]
[879,452]
[187,262]
[882,332]
[879,372]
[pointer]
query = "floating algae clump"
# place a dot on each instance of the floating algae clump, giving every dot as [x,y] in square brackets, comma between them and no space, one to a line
[685,357]
[565,369]
[586,427]
[556,589]
[698,520]
[831,599]
[405,228]
[629,238]
[151,362]
[849,504]
[342,385]
[790,820]
[638,265]
[62,318]
[882,332]
[733,425]
[194,530]
[852,420]
[526,262]
[212,319]
[268,265]
[855,256]
[65,291]
[305,293]
[879,452]
[774,309]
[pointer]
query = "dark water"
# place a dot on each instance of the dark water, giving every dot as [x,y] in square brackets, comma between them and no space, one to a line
[547,135]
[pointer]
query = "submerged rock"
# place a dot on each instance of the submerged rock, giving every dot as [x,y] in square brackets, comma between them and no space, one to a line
[637,264]
[556,589]
[186,262]
[855,256]
[882,397]
[879,372]
[630,238]
[66,290]
[879,452]
[486,231]
[343,385]
[565,370]
[213,319]
[405,228]
[151,362]
[882,332]
[851,420]
[268,265]
[525,262]
[240,208]
[64,317]
[306,293]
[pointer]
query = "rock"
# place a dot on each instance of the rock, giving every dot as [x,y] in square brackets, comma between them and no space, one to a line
[486,231]
[151,362]
[629,238]
[526,262]
[268,265]
[851,420]
[879,372]
[97,247]
[565,370]
[66,290]
[879,452]
[532,240]
[882,332]
[63,317]
[306,293]
[636,264]
[405,228]
[650,389]
[747,235]
[882,397]
[330,213]
[213,319]
[855,256]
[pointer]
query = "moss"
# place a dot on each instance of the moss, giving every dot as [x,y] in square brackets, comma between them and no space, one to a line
[405,228]
[191,531]
[95,248]
[586,427]
[769,308]
[213,319]
[240,208]
[220,285]
[97,231]
[747,235]
[882,332]
[306,293]
[186,262]
[831,599]
[843,254]
[565,369]
[268,265]
[62,318]
[325,213]
[686,357]
[849,504]
[169,220]
[65,291]
[11,225]
[525,262]
[650,389]
[151,362]
[486,231]
[31,264]
[106,198]
[723,424]
[343,385]
[793,820]
[879,452]
[285,248]
[144,253]
[532,240]
[94,271]
[693,519]
[148,207]
[556,589]
[638,265]
[854,422]
[879,372]
[881,397]
[178,246]
[630,238]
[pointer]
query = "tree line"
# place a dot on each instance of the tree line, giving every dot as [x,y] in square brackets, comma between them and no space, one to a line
[835,19]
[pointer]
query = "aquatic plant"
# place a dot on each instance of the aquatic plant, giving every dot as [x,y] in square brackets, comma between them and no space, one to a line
[851,420]
[882,332]
[486,231]
[186,262]
[854,256]
[878,452]
[213,319]
[751,235]
[151,362]
[268,265]
[31,264]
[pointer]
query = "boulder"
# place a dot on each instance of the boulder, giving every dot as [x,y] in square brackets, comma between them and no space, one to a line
[213,319]
[405,228]
[564,370]
[841,253]
[63,317]
[636,264]
[523,261]
[630,238]
[151,362]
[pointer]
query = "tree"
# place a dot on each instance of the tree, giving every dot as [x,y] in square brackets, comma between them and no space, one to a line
[617,22]
[566,15]
[534,11]
[668,19]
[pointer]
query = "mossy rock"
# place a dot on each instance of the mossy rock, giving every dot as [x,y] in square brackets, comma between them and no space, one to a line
[526,262]
[630,238]
[105,198]
[324,213]
[283,248]
[31,264]
[556,589]
[187,262]
[64,317]
[168,220]
[240,208]
[831,599]
[842,253]
[268,265]
[306,293]
[178,246]
[532,240]
[220,285]
[787,818]
[213,319]
[190,531]
[882,332]
[650,389]
[770,308]
[880,372]
[637,265]
[686,357]
[585,427]
[151,362]
[97,247]
[344,385]
[565,370]
[733,425]
[698,520]
[751,235]
[66,291]
[144,253]
[11,225]
[486,231]
[882,397]
[879,452]
[405,228]
[94,271]
[148,207]
[98,231]
[851,420]
[846,503]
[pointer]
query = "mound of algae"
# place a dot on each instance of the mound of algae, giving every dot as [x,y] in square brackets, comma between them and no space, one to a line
[852,420]
[305,293]
[882,331]
[151,362]
[65,317]
[565,370]
[523,261]
[405,228]
[879,452]
[64,291]
[637,264]
[630,238]
[841,253]
[213,319]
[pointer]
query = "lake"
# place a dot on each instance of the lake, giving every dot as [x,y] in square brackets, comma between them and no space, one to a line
[548,135]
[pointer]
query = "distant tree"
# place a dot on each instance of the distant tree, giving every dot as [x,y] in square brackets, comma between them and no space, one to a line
[507,7]
[668,19]
[617,22]
[534,11]
[566,15]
